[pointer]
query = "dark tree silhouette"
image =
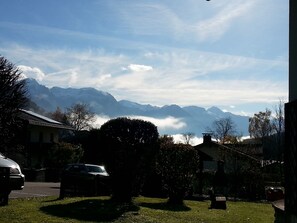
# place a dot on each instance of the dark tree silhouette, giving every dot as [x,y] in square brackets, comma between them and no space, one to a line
[80,117]
[260,125]
[13,96]
[223,130]
[188,136]
[131,146]
[59,116]
[178,165]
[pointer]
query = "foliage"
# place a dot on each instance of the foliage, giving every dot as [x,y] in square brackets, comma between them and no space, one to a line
[278,121]
[93,149]
[153,186]
[63,153]
[166,140]
[131,146]
[260,125]
[59,116]
[278,124]
[223,130]
[241,168]
[269,128]
[13,96]
[144,210]
[178,165]
[80,117]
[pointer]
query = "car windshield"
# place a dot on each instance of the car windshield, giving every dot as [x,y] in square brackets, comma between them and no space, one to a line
[96,169]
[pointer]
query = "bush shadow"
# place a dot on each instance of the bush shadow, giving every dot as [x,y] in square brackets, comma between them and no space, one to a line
[165,206]
[90,210]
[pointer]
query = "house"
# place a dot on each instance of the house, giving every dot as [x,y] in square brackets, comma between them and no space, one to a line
[212,152]
[39,134]
[228,167]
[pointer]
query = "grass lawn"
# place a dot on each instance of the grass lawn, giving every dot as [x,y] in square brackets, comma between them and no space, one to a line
[101,209]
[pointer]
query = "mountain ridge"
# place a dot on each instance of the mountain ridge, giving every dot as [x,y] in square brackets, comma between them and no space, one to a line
[191,118]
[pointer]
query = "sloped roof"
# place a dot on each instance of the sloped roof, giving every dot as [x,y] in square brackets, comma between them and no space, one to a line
[207,150]
[39,120]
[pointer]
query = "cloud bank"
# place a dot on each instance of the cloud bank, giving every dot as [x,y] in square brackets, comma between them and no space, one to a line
[163,124]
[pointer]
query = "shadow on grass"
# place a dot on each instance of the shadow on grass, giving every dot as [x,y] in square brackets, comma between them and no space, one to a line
[165,206]
[90,210]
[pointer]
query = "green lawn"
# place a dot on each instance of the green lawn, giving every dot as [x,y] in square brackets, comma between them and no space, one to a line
[101,209]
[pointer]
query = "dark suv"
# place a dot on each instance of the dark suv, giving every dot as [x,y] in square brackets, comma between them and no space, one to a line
[11,178]
[81,179]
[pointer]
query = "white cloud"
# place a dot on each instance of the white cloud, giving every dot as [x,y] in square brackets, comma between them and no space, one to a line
[163,123]
[139,68]
[159,19]
[216,26]
[100,120]
[179,138]
[32,72]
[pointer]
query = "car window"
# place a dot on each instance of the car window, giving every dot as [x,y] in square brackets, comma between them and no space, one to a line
[96,169]
[77,168]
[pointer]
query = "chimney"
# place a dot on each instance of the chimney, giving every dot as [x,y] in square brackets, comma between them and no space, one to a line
[206,137]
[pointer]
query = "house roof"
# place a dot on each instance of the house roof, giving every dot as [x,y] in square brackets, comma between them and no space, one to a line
[39,120]
[208,150]
[253,149]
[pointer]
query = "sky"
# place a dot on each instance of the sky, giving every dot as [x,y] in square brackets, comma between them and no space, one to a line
[232,54]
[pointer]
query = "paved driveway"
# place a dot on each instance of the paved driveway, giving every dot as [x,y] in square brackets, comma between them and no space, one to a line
[36,189]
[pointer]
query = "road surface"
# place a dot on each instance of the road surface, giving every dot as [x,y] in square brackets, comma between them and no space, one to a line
[37,189]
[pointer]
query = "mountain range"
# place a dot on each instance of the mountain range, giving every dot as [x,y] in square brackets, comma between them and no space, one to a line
[170,119]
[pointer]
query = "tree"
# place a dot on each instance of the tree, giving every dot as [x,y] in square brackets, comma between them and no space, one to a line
[131,146]
[223,130]
[13,96]
[166,139]
[59,116]
[188,137]
[278,121]
[80,117]
[260,125]
[153,186]
[240,169]
[278,124]
[63,153]
[178,165]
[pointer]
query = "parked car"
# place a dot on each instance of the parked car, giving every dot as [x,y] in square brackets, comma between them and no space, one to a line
[274,193]
[81,179]
[11,178]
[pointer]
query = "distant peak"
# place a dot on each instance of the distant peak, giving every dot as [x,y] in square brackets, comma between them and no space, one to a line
[214,109]
[31,80]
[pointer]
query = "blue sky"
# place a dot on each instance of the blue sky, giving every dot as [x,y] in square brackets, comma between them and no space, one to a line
[232,54]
